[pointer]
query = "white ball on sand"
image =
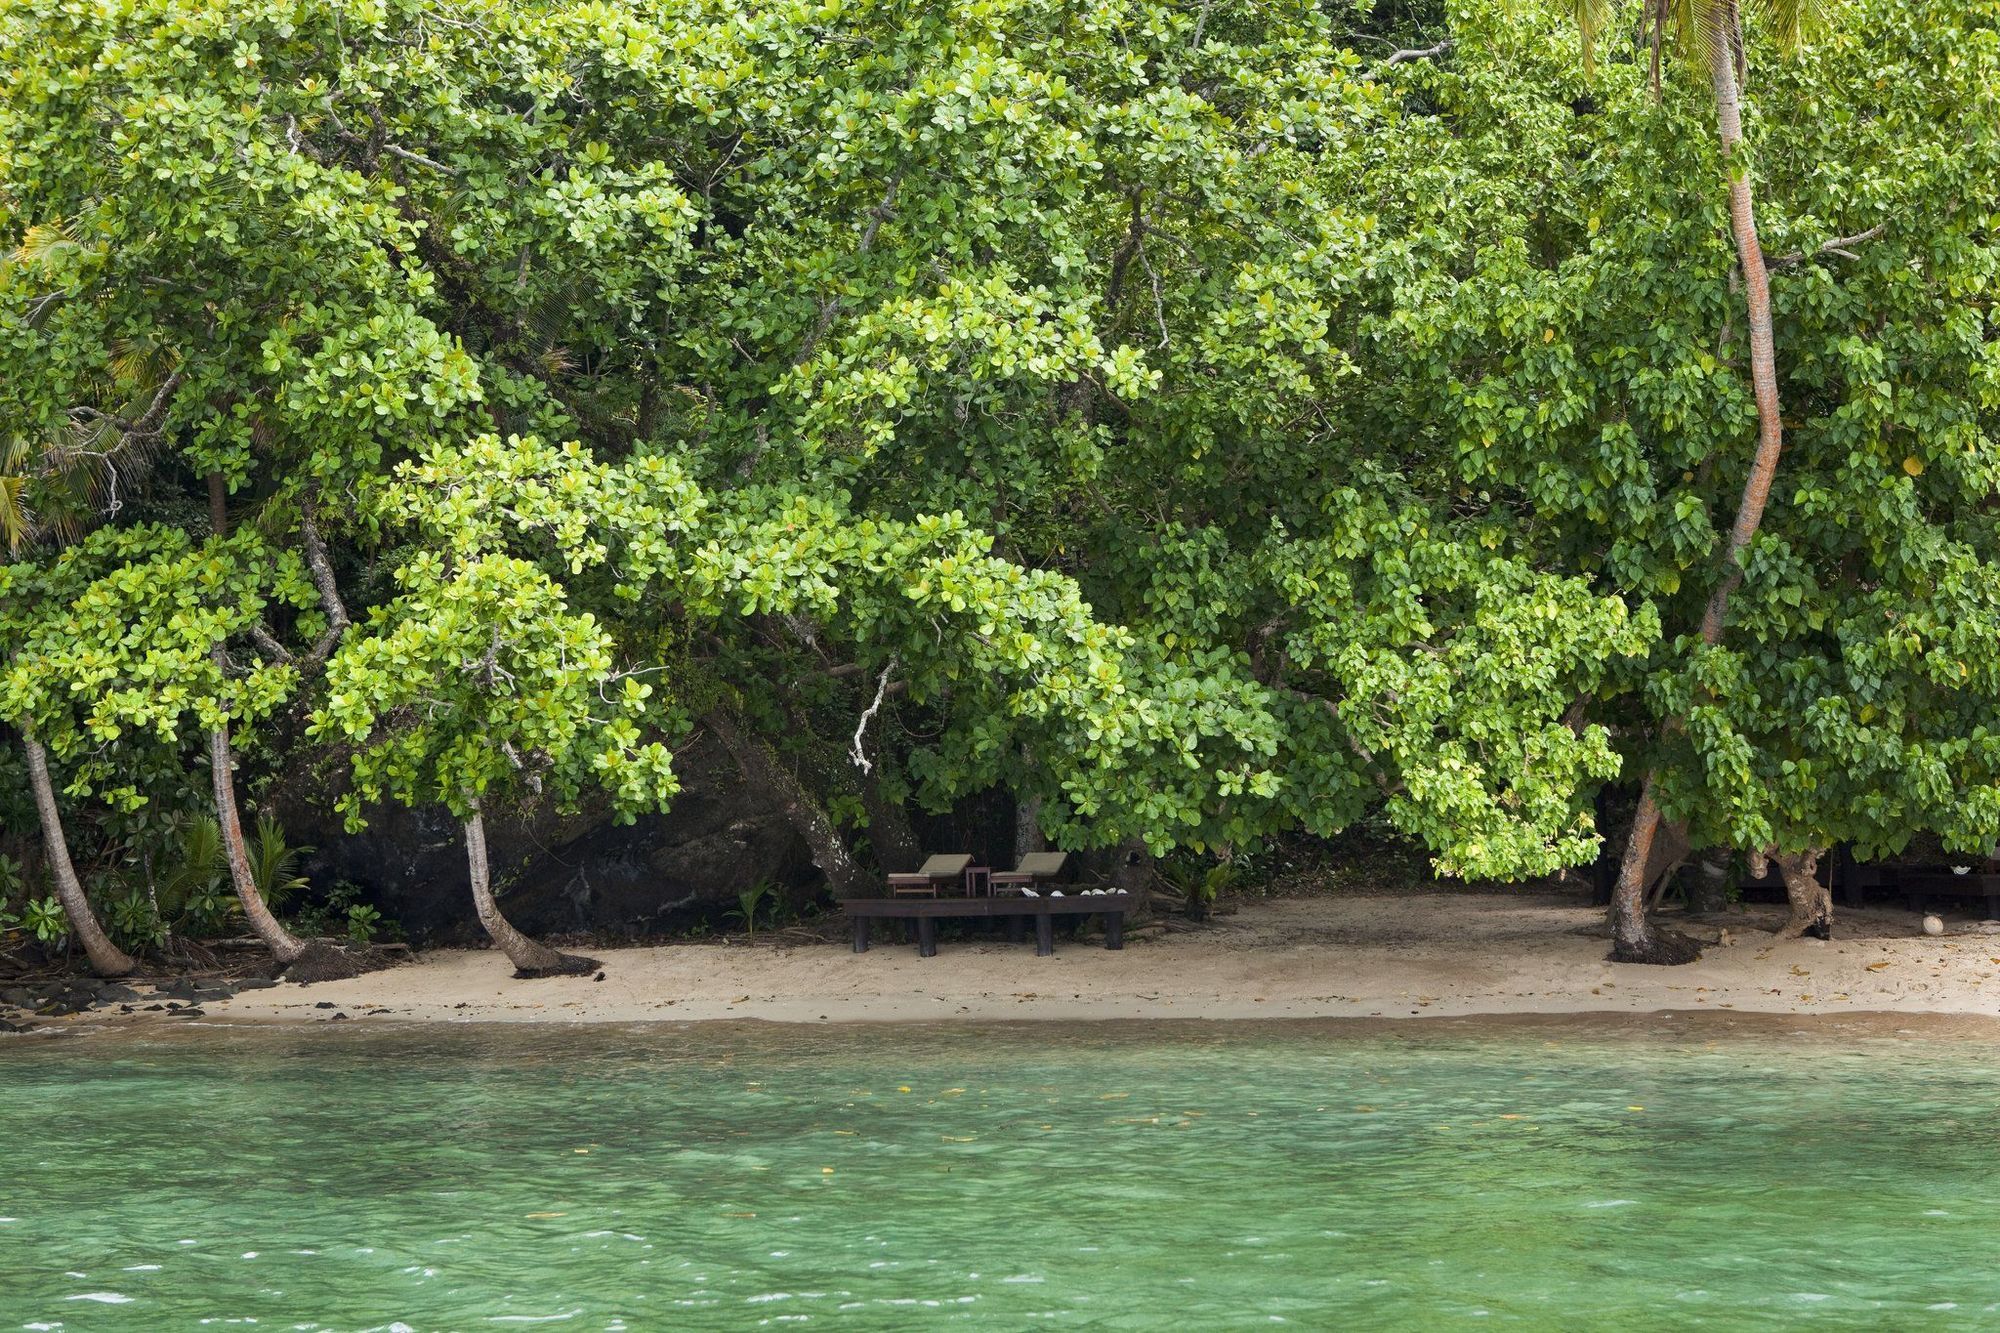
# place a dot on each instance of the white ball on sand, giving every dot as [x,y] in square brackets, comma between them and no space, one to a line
[1933,924]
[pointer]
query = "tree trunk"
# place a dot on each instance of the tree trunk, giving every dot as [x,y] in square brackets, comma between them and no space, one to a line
[218,504]
[1633,938]
[106,958]
[1708,887]
[286,947]
[763,769]
[1028,836]
[1132,872]
[1811,901]
[530,957]
[889,831]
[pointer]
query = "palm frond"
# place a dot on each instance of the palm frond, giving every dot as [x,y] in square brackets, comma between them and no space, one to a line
[42,243]
[1793,21]
[274,863]
[17,521]
[198,864]
[1590,16]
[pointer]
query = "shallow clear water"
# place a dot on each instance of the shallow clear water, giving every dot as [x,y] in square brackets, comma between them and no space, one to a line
[1112,1176]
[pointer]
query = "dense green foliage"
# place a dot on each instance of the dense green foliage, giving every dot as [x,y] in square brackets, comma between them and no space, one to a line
[1185,417]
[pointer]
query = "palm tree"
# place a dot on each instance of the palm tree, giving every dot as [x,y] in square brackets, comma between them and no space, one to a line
[106,958]
[1712,32]
[531,958]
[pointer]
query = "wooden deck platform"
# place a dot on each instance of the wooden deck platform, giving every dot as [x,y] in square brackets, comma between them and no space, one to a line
[1014,908]
[1921,885]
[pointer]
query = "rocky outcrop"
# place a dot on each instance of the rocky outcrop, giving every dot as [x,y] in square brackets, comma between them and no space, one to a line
[557,873]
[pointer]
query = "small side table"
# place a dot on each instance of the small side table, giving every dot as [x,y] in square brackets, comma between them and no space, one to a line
[978,880]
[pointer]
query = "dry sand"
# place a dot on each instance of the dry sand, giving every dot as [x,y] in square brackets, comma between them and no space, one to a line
[1429,954]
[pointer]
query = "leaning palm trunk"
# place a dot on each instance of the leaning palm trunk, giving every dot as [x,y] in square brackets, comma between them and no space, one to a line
[106,958]
[286,947]
[530,957]
[1634,940]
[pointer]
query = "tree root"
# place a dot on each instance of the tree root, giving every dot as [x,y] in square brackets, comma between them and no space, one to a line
[571,965]
[1660,948]
[325,961]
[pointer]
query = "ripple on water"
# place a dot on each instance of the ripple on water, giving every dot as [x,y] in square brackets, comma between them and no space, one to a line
[1436,1173]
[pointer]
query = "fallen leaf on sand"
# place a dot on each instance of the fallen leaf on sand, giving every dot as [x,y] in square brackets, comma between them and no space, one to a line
[1877,967]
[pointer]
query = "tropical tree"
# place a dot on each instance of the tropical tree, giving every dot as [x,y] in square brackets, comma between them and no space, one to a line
[1715,29]
[479,683]
[34,598]
[144,647]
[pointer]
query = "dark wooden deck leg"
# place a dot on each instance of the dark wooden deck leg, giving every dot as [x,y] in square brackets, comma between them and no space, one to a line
[1045,935]
[1993,907]
[1114,930]
[861,934]
[926,937]
[1017,927]
[1846,876]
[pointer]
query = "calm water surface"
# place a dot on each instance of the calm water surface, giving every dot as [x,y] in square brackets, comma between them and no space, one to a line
[1548,1176]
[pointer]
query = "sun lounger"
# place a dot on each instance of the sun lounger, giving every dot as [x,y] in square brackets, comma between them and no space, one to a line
[1035,868]
[926,879]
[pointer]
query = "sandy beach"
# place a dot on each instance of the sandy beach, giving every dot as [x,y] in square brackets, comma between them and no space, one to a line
[1420,955]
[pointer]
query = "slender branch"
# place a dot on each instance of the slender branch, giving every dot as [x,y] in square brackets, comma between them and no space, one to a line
[147,424]
[267,643]
[854,751]
[397,150]
[1839,245]
[829,309]
[321,569]
[1427,53]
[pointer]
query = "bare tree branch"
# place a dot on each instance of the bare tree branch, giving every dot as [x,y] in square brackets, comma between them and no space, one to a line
[397,150]
[1839,245]
[267,644]
[854,750]
[1427,53]
[321,569]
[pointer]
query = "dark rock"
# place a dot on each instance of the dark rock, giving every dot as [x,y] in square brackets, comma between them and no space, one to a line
[326,1004]
[180,988]
[6,1026]
[598,977]
[189,1013]
[338,1018]
[154,1008]
[255,983]
[557,874]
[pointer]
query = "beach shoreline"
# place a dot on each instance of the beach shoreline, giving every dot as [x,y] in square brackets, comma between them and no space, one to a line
[1423,955]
